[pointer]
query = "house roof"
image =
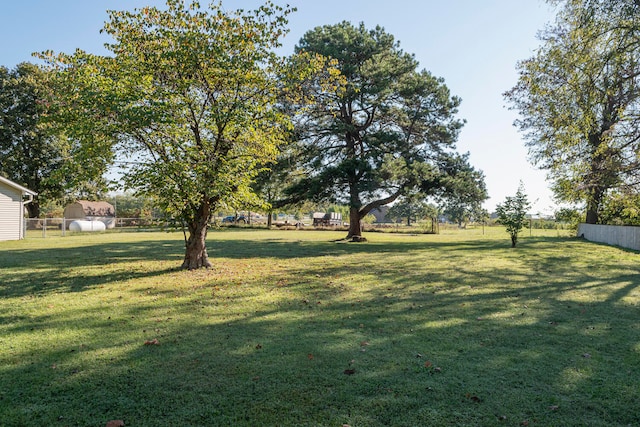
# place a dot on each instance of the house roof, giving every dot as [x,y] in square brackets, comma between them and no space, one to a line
[17,186]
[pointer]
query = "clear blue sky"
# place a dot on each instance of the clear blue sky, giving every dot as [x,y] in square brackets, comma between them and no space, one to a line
[473,44]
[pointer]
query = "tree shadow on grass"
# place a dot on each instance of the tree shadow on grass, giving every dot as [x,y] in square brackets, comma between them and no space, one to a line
[42,271]
[286,366]
[248,249]
[425,344]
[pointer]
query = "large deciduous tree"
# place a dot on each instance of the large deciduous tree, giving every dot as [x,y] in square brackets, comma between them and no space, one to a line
[32,151]
[191,96]
[270,185]
[579,98]
[412,208]
[465,190]
[385,132]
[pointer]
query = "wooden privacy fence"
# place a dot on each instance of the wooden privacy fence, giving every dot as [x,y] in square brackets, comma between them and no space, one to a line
[617,235]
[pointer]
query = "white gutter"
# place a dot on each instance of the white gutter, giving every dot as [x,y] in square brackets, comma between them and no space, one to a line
[17,186]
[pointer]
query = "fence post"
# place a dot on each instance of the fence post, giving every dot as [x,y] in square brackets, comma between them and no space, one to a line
[44,228]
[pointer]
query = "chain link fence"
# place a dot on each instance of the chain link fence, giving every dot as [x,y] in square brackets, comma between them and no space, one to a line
[58,227]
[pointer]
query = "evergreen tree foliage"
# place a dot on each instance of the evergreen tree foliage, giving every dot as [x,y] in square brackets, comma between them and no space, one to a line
[389,130]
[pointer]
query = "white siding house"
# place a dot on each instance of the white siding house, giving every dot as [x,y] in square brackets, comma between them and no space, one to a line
[12,201]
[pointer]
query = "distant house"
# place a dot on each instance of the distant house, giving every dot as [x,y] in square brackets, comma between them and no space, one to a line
[92,211]
[13,197]
[321,219]
[381,214]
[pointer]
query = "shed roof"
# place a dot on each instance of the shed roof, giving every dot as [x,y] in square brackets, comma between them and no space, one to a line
[97,208]
[10,183]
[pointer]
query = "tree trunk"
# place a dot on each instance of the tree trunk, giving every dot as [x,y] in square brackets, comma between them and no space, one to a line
[593,206]
[514,240]
[357,212]
[33,209]
[355,231]
[600,175]
[196,256]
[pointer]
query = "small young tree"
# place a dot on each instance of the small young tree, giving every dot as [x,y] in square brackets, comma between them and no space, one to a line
[512,213]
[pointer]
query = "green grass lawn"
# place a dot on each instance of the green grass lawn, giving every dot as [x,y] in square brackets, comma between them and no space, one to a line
[291,329]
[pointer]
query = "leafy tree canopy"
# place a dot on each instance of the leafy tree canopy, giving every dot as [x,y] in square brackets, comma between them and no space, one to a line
[190,97]
[579,100]
[412,208]
[33,152]
[621,208]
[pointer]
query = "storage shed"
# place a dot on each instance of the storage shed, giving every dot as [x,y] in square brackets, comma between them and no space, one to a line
[92,211]
[13,197]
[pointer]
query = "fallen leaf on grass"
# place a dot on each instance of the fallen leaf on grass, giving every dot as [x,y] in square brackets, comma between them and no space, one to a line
[364,344]
[473,398]
[586,355]
[115,423]
[554,407]
[258,346]
[310,356]
[432,369]
[152,342]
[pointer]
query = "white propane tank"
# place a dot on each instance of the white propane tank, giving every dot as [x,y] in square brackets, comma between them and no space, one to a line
[82,225]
